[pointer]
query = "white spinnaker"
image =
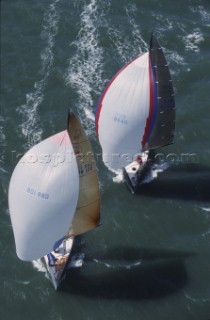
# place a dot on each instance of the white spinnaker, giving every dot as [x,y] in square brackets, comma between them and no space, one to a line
[43,195]
[124,112]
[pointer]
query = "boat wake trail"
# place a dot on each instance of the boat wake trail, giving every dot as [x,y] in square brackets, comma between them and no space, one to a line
[84,73]
[197,300]
[121,264]
[39,265]
[3,142]
[119,177]
[76,261]
[193,40]
[154,172]
[151,175]
[118,36]
[205,209]
[29,111]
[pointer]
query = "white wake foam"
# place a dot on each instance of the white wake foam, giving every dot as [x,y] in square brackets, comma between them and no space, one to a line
[119,264]
[2,133]
[76,261]
[121,43]
[30,124]
[137,39]
[85,67]
[193,40]
[196,299]
[203,12]
[39,265]
[3,143]
[205,209]
[155,170]
[119,177]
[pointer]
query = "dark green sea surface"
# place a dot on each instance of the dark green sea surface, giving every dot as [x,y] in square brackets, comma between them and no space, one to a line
[150,259]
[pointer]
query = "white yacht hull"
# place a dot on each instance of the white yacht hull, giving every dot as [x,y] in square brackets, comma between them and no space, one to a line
[57,270]
[133,171]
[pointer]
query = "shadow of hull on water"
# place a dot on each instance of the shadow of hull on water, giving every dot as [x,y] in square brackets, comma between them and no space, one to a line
[185,182]
[129,273]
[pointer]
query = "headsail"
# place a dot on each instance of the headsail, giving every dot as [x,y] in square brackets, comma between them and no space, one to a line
[87,215]
[122,112]
[136,111]
[43,195]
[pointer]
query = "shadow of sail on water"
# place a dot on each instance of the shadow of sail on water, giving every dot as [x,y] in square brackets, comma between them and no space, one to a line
[136,112]
[53,196]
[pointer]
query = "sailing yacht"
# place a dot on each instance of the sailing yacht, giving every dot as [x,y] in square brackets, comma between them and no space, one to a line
[53,197]
[136,114]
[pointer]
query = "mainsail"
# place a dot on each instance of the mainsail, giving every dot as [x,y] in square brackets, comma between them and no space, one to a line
[43,195]
[160,124]
[136,111]
[87,214]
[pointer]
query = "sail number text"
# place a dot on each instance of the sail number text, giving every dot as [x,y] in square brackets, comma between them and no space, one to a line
[85,168]
[38,194]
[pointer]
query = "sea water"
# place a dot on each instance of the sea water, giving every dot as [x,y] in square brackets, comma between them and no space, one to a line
[150,258]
